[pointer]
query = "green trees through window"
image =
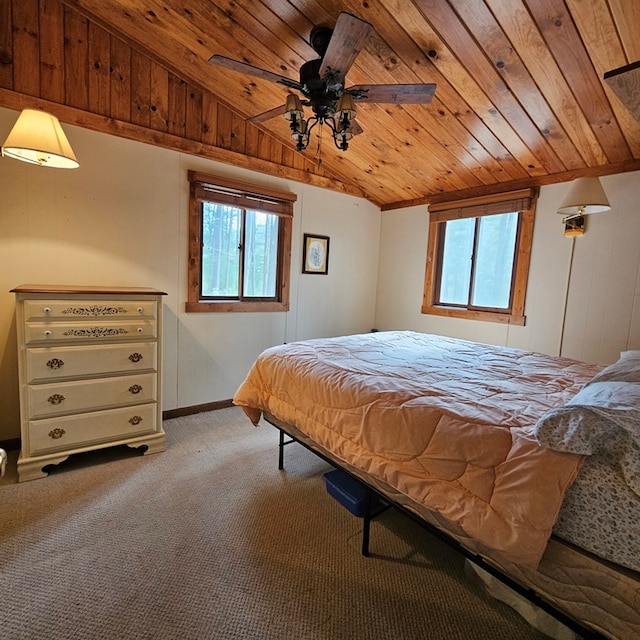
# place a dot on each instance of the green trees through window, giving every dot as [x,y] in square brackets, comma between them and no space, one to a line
[239,252]
[240,246]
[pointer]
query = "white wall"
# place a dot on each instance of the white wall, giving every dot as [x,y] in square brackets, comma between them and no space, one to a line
[121,219]
[601,284]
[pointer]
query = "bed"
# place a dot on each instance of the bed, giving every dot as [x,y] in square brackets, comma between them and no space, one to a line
[530,463]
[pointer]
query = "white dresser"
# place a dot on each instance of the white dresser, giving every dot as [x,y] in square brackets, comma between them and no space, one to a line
[90,376]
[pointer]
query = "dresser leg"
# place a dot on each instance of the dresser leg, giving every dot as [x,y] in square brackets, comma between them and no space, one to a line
[31,469]
[154,443]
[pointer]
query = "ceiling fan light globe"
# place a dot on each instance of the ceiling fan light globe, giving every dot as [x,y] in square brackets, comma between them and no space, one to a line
[346,109]
[293,108]
[341,138]
[301,132]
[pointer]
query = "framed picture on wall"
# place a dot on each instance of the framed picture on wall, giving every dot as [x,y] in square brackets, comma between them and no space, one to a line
[315,254]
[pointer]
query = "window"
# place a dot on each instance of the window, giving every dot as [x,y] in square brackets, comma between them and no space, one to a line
[478,257]
[239,246]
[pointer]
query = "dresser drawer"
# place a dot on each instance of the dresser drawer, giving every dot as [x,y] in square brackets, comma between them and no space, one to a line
[69,309]
[48,400]
[55,363]
[74,432]
[60,331]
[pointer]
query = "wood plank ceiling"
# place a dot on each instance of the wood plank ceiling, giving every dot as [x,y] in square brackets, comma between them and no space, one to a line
[520,101]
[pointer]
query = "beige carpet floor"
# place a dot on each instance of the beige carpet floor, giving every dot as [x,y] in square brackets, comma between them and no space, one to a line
[208,540]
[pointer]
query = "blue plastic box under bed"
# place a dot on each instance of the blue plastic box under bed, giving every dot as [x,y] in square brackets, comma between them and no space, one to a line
[352,494]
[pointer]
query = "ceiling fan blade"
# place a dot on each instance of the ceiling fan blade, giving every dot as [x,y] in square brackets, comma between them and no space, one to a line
[395,93]
[267,115]
[349,36]
[243,67]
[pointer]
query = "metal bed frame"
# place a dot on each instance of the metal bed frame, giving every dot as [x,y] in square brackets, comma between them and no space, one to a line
[368,515]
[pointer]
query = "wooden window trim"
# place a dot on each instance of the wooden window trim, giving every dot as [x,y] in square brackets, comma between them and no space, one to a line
[523,201]
[215,189]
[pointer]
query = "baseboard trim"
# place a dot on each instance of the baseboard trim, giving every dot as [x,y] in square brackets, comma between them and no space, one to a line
[14,443]
[197,408]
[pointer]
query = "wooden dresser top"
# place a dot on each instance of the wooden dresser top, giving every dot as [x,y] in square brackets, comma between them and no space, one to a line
[86,289]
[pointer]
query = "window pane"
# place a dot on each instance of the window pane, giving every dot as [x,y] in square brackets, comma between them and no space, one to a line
[456,261]
[494,261]
[261,255]
[221,226]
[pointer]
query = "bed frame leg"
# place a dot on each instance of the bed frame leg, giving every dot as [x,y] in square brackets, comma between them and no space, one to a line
[282,442]
[281,450]
[366,523]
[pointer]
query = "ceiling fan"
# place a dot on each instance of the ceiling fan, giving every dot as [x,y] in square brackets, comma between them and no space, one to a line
[322,84]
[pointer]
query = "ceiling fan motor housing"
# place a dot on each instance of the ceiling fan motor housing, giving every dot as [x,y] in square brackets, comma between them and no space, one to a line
[319,39]
[322,99]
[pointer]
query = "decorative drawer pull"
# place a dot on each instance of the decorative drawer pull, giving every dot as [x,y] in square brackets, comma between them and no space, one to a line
[140,310]
[135,420]
[55,363]
[48,333]
[56,398]
[57,433]
[47,311]
[136,388]
[135,357]
[140,330]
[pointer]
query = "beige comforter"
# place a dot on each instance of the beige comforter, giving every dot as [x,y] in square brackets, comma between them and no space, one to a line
[444,421]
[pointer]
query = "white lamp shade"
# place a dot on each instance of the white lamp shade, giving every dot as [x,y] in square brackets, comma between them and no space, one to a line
[38,138]
[585,196]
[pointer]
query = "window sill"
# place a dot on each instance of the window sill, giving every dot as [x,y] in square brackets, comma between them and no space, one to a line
[235,307]
[484,316]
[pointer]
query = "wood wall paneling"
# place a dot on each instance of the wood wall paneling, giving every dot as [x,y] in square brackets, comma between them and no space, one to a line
[194,115]
[6,45]
[159,116]
[140,89]
[76,50]
[210,119]
[51,50]
[53,53]
[177,104]
[224,127]
[26,47]
[99,70]
[120,71]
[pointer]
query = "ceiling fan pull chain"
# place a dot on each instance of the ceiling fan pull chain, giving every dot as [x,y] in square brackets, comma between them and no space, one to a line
[319,147]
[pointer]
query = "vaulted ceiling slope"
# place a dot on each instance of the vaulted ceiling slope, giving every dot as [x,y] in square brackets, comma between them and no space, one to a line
[521,98]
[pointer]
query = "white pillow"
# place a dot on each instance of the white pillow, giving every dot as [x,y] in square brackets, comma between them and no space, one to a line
[603,418]
[626,369]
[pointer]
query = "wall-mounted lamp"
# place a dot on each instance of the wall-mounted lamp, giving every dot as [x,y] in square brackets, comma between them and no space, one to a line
[38,138]
[586,196]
